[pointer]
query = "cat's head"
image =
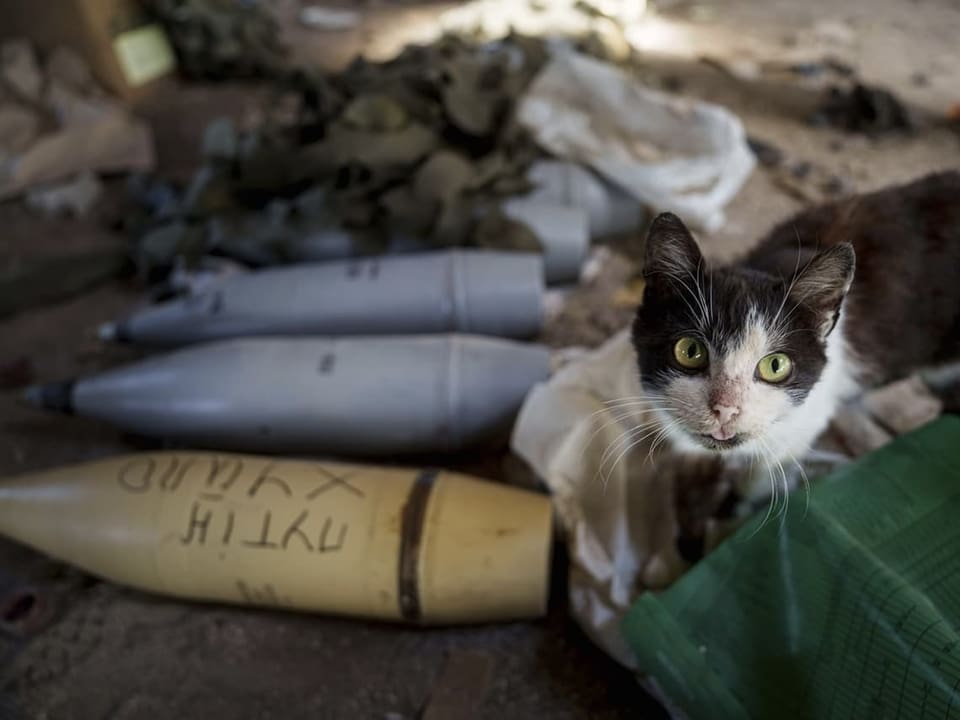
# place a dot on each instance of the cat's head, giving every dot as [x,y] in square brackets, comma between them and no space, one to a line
[730,354]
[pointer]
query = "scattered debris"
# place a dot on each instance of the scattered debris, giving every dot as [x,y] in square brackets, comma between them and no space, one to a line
[423,147]
[864,109]
[426,148]
[768,155]
[745,69]
[19,69]
[823,67]
[836,32]
[321,18]
[496,19]
[801,179]
[55,124]
[75,197]
[221,39]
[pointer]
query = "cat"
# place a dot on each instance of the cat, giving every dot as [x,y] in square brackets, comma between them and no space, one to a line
[752,359]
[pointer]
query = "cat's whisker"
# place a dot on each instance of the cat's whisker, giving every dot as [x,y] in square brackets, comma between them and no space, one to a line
[772,510]
[612,447]
[699,296]
[636,398]
[795,307]
[773,492]
[783,476]
[633,427]
[691,293]
[631,409]
[710,274]
[627,449]
[620,418]
[793,282]
[803,474]
[634,403]
[647,423]
[657,441]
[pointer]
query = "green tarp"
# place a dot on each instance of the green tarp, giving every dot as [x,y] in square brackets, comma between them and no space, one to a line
[847,609]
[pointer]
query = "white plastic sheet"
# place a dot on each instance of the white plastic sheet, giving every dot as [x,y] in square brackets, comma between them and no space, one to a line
[671,153]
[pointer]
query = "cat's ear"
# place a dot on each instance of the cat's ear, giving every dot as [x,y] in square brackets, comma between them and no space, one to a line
[823,284]
[671,250]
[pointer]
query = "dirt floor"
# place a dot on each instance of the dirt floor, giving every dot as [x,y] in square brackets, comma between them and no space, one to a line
[87,649]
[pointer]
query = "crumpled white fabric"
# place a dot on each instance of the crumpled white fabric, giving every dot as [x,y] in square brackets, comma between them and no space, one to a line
[618,519]
[685,156]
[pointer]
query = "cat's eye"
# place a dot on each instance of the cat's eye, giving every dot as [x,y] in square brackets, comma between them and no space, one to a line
[775,368]
[690,353]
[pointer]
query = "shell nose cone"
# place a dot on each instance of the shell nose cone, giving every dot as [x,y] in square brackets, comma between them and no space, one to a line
[56,396]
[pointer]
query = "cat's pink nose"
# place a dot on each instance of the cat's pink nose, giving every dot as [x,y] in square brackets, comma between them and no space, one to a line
[725,413]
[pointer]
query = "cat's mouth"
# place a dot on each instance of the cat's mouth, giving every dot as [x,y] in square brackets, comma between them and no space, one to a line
[713,443]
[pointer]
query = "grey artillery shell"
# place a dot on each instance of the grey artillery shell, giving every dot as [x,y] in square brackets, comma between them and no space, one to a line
[346,396]
[610,210]
[484,293]
[563,232]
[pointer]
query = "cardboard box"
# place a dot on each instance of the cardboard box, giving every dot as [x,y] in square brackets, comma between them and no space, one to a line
[128,54]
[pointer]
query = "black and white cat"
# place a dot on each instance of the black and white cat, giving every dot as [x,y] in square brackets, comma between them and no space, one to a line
[753,359]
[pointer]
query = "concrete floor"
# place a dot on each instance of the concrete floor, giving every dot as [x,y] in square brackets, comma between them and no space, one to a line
[99,651]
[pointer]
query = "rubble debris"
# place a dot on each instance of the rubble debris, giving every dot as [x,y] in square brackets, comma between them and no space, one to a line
[864,109]
[805,181]
[767,154]
[425,149]
[321,18]
[423,145]
[741,68]
[55,124]
[496,19]
[74,198]
[221,39]
[19,70]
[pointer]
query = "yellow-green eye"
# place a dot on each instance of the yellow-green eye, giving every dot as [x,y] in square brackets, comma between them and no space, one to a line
[775,368]
[690,353]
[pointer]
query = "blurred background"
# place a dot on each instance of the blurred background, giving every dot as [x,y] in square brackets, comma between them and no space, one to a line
[152,150]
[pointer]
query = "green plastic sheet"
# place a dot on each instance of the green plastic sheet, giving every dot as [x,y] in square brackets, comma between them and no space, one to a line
[846,609]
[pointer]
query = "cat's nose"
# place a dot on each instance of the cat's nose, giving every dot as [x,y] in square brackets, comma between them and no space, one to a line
[725,413]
